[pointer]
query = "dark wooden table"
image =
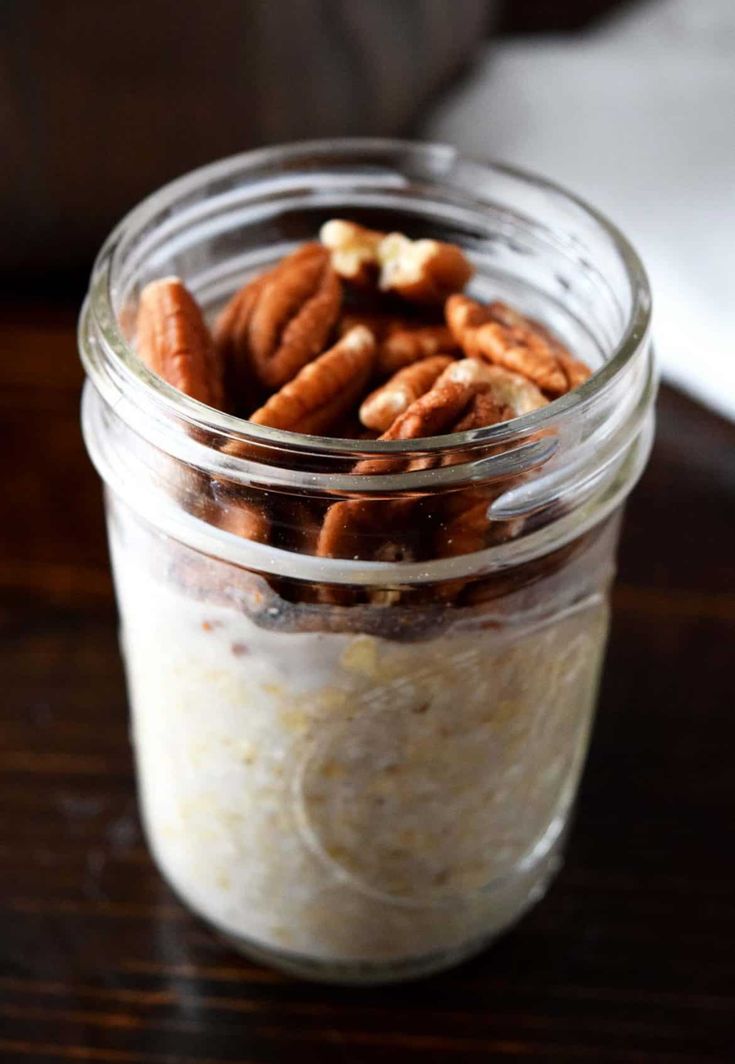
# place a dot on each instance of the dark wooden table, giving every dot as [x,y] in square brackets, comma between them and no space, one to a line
[629,958]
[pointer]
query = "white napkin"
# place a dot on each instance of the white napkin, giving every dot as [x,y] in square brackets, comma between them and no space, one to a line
[638,117]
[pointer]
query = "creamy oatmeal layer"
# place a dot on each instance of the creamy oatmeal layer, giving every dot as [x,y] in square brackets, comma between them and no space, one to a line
[347,797]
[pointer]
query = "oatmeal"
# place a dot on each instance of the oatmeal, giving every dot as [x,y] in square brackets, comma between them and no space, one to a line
[347,797]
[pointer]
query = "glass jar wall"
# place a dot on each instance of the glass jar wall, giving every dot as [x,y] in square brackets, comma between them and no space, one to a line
[360,768]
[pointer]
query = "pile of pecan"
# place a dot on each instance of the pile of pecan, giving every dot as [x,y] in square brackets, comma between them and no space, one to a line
[362,335]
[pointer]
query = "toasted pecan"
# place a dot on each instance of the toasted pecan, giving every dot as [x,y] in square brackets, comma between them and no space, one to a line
[516,392]
[383,406]
[465,531]
[507,315]
[404,343]
[325,389]
[353,248]
[525,349]
[488,406]
[434,412]
[368,529]
[350,526]
[511,390]
[430,415]
[576,371]
[460,398]
[244,518]
[401,340]
[466,527]
[462,516]
[281,320]
[230,335]
[174,342]
[421,271]
[522,352]
[484,410]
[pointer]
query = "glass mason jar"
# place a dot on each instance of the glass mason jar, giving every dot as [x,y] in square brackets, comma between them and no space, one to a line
[360,769]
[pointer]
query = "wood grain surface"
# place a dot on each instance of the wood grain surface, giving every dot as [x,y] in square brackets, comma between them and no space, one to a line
[628,959]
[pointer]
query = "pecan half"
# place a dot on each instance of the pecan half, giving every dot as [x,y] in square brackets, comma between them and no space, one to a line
[430,415]
[464,532]
[405,343]
[520,348]
[510,390]
[368,529]
[425,271]
[434,412]
[576,371]
[488,406]
[401,341]
[483,410]
[325,389]
[461,398]
[227,507]
[354,250]
[422,271]
[462,516]
[281,320]
[464,525]
[383,406]
[466,528]
[230,336]
[244,518]
[507,315]
[174,342]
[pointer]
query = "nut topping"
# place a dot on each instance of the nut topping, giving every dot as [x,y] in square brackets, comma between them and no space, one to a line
[577,372]
[425,271]
[401,341]
[275,345]
[510,390]
[433,413]
[230,335]
[281,320]
[466,527]
[244,518]
[383,406]
[174,342]
[406,343]
[325,389]
[375,529]
[484,410]
[354,250]
[522,349]
[422,271]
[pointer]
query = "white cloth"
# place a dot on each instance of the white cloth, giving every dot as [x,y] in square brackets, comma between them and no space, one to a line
[638,117]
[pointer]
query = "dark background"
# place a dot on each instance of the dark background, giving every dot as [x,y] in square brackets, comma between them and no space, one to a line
[101,103]
[630,956]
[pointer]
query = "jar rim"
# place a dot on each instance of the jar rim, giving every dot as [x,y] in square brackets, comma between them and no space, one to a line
[197,415]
